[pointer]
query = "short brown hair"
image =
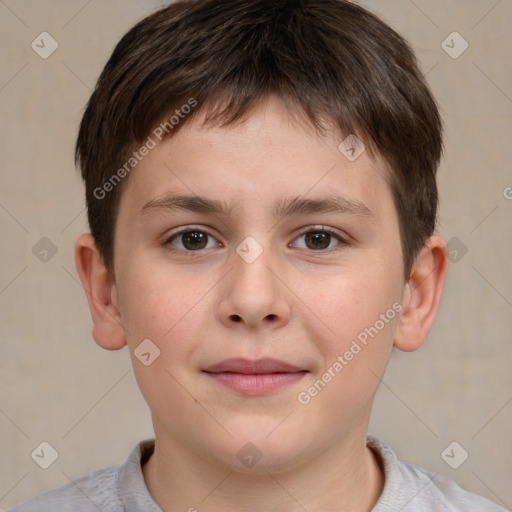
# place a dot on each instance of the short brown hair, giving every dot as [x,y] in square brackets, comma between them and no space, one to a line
[330,59]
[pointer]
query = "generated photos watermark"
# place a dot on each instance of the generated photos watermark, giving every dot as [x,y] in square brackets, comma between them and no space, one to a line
[343,360]
[157,135]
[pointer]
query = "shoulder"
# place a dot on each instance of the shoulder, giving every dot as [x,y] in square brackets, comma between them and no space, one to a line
[411,488]
[439,492]
[113,489]
[88,493]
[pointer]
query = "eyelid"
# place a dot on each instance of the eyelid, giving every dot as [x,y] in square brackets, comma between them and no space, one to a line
[320,227]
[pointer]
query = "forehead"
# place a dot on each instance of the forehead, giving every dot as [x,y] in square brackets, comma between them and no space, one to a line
[269,155]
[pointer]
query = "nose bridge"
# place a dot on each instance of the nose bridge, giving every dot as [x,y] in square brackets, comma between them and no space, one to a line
[260,271]
[254,293]
[253,269]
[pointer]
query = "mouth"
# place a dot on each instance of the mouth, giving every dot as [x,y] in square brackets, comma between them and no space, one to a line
[254,377]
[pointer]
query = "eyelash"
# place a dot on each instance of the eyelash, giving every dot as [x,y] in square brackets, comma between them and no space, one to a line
[317,229]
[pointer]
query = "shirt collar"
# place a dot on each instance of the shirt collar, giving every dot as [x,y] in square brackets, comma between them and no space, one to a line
[135,496]
[130,484]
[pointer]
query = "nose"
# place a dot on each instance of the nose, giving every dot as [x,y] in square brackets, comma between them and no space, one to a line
[255,294]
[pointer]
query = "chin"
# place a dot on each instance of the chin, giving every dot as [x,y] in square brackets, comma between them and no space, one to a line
[255,452]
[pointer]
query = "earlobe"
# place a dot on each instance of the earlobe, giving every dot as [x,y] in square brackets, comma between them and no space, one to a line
[422,295]
[101,294]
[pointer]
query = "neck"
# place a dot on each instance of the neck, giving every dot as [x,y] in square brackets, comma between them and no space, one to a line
[347,474]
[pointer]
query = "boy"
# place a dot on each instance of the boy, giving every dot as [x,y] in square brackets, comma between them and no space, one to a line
[260,182]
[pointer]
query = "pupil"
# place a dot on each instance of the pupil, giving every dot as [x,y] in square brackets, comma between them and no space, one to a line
[194,240]
[316,238]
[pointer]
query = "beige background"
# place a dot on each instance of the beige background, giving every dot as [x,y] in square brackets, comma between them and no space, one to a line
[58,386]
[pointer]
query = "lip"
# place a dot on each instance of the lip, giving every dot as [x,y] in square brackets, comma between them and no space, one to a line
[251,367]
[254,377]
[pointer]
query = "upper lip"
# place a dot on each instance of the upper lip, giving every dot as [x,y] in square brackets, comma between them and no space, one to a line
[253,366]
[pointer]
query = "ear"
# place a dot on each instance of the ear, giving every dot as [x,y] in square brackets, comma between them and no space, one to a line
[422,295]
[101,294]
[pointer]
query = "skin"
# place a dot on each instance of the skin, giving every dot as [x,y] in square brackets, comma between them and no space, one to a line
[298,301]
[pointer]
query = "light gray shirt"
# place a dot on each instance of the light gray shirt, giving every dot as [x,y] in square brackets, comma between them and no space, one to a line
[407,488]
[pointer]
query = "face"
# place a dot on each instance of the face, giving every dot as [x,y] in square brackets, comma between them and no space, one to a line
[282,274]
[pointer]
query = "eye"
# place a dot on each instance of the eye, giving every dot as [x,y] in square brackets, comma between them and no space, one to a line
[320,239]
[191,240]
[194,240]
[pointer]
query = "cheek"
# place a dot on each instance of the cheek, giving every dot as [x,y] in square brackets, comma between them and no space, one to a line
[155,301]
[170,307]
[166,309]
[348,306]
[361,311]
[361,318]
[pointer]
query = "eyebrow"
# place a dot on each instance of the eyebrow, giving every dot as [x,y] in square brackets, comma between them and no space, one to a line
[281,208]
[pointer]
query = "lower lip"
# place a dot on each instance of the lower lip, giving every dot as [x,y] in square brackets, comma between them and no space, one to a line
[256,384]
